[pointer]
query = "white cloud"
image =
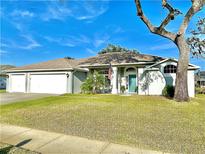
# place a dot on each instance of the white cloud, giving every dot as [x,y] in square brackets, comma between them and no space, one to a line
[60,41]
[31,43]
[25,42]
[56,12]
[118,30]
[91,11]
[4,44]
[22,13]
[69,41]
[91,51]
[100,40]
[83,10]
[50,39]
[81,39]
[163,46]
[19,26]
[3,52]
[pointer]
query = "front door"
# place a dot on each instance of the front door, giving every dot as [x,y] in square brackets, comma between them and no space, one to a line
[132,83]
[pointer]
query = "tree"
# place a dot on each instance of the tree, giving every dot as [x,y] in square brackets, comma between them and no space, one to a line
[94,83]
[116,48]
[181,87]
[197,42]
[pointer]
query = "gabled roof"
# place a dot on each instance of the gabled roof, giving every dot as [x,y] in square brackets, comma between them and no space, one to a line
[116,58]
[191,66]
[57,64]
[102,59]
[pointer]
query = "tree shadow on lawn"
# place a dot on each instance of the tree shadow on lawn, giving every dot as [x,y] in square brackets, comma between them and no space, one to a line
[8,148]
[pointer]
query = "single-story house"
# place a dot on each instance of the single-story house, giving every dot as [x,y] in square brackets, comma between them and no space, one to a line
[3,76]
[200,79]
[138,73]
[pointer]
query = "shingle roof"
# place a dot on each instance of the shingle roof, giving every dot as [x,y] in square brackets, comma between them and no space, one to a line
[107,58]
[5,67]
[61,63]
[120,58]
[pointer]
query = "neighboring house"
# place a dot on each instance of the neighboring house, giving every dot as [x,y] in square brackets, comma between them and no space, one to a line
[139,73]
[200,79]
[3,76]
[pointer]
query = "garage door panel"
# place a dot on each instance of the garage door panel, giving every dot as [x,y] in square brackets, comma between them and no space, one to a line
[18,83]
[48,83]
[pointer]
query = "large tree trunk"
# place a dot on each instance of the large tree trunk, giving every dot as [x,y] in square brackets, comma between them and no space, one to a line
[181,87]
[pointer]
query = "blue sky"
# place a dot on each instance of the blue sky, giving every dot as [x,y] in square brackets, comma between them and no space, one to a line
[35,31]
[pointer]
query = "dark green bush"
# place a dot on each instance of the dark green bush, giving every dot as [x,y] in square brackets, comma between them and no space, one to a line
[168,91]
[122,89]
[93,84]
[200,90]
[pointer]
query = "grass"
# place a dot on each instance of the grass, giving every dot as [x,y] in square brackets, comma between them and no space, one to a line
[150,122]
[2,91]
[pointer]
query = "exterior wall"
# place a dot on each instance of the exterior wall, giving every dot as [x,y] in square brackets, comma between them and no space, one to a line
[114,81]
[191,84]
[150,82]
[66,81]
[170,78]
[122,78]
[78,79]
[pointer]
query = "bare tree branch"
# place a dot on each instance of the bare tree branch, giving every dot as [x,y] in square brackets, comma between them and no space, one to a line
[197,5]
[172,12]
[157,30]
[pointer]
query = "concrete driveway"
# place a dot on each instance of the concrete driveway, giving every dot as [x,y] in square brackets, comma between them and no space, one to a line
[7,98]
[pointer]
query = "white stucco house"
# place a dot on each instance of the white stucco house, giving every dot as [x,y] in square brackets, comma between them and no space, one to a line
[138,73]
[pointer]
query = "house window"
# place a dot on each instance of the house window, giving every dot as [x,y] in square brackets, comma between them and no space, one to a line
[105,73]
[170,69]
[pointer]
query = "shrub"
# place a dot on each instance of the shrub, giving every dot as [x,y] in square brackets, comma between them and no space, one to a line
[168,91]
[87,86]
[122,89]
[136,89]
[94,83]
[199,90]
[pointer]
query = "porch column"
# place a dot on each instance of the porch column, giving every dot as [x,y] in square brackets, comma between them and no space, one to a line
[114,81]
[28,82]
[70,82]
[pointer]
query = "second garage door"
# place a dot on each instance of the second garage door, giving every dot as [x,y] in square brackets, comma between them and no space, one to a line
[48,83]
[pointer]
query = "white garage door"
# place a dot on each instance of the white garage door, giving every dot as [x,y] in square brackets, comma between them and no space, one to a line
[18,83]
[48,83]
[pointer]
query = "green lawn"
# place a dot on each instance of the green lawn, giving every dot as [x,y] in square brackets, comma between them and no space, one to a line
[150,122]
[2,91]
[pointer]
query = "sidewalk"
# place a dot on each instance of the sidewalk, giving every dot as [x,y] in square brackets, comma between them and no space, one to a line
[48,142]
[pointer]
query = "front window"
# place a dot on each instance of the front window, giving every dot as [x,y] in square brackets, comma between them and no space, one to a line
[170,69]
[105,73]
